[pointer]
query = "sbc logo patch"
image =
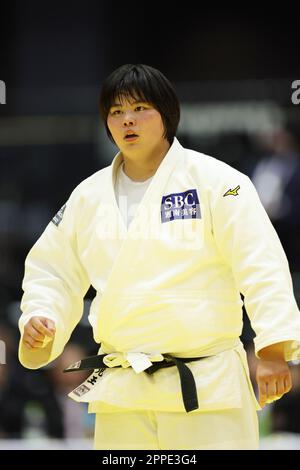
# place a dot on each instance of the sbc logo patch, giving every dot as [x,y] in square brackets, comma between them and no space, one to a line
[180,206]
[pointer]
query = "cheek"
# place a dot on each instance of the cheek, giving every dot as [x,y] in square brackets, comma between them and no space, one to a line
[154,122]
[157,122]
[158,127]
[115,133]
[113,127]
[109,124]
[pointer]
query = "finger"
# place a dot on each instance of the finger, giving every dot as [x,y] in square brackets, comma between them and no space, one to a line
[288,383]
[35,344]
[262,400]
[31,331]
[271,390]
[40,327]
[27,344]
[262,388]
[280,388]
[30,335]
[31,344]
[50,324]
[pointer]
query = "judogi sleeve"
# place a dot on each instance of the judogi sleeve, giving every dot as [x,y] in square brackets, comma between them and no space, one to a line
[54,284]
[248,242]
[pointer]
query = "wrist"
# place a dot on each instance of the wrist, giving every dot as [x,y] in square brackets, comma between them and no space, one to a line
[273,351]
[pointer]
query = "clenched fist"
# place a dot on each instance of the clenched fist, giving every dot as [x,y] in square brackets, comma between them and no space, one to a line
[38,331]
[273,374]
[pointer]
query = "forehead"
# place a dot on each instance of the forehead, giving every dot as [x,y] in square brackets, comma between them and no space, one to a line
[127,97]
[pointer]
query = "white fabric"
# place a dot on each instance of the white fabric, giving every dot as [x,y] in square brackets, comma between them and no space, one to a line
[129,194]
[162,390]
[164,287]
[234,428]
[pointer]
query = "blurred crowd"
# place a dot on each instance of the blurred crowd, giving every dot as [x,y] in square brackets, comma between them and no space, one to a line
[35,404]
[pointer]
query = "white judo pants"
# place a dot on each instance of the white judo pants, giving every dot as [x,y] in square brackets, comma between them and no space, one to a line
[121,429]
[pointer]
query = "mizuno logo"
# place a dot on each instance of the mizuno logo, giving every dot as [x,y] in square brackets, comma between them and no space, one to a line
[232,192]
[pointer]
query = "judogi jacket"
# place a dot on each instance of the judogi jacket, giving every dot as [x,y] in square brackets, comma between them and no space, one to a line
[170,284]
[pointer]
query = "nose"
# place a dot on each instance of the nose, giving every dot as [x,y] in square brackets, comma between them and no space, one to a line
[129,119]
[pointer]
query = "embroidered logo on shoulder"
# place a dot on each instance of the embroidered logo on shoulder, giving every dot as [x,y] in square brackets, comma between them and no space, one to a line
[180,206]
[232,192]
[58,217]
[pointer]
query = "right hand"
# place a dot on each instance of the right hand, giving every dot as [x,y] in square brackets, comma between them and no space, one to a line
[36,330]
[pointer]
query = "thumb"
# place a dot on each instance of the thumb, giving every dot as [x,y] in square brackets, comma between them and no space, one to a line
[50,325]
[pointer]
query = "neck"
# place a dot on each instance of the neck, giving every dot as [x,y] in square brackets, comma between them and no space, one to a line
[142,167]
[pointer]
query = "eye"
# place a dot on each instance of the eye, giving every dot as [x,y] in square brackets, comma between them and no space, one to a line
[140,108]
[115,112]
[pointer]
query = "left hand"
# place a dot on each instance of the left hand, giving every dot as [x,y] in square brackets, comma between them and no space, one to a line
[273,379]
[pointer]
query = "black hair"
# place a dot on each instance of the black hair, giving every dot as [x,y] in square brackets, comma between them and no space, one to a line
[143,83]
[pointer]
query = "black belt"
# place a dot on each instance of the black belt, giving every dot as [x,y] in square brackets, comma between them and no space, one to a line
[187,381]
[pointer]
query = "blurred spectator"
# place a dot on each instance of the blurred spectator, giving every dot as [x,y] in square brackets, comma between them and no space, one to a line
[35,403]
[277,180]
[76,422]
[10,409]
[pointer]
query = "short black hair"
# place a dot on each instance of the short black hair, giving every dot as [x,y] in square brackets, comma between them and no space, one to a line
[143,83]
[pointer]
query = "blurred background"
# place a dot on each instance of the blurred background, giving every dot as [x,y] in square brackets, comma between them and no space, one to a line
[233,72]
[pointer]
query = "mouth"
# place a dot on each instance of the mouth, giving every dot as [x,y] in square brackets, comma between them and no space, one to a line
[130,137]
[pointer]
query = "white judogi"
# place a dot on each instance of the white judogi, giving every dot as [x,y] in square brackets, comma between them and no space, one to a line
[167,284]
